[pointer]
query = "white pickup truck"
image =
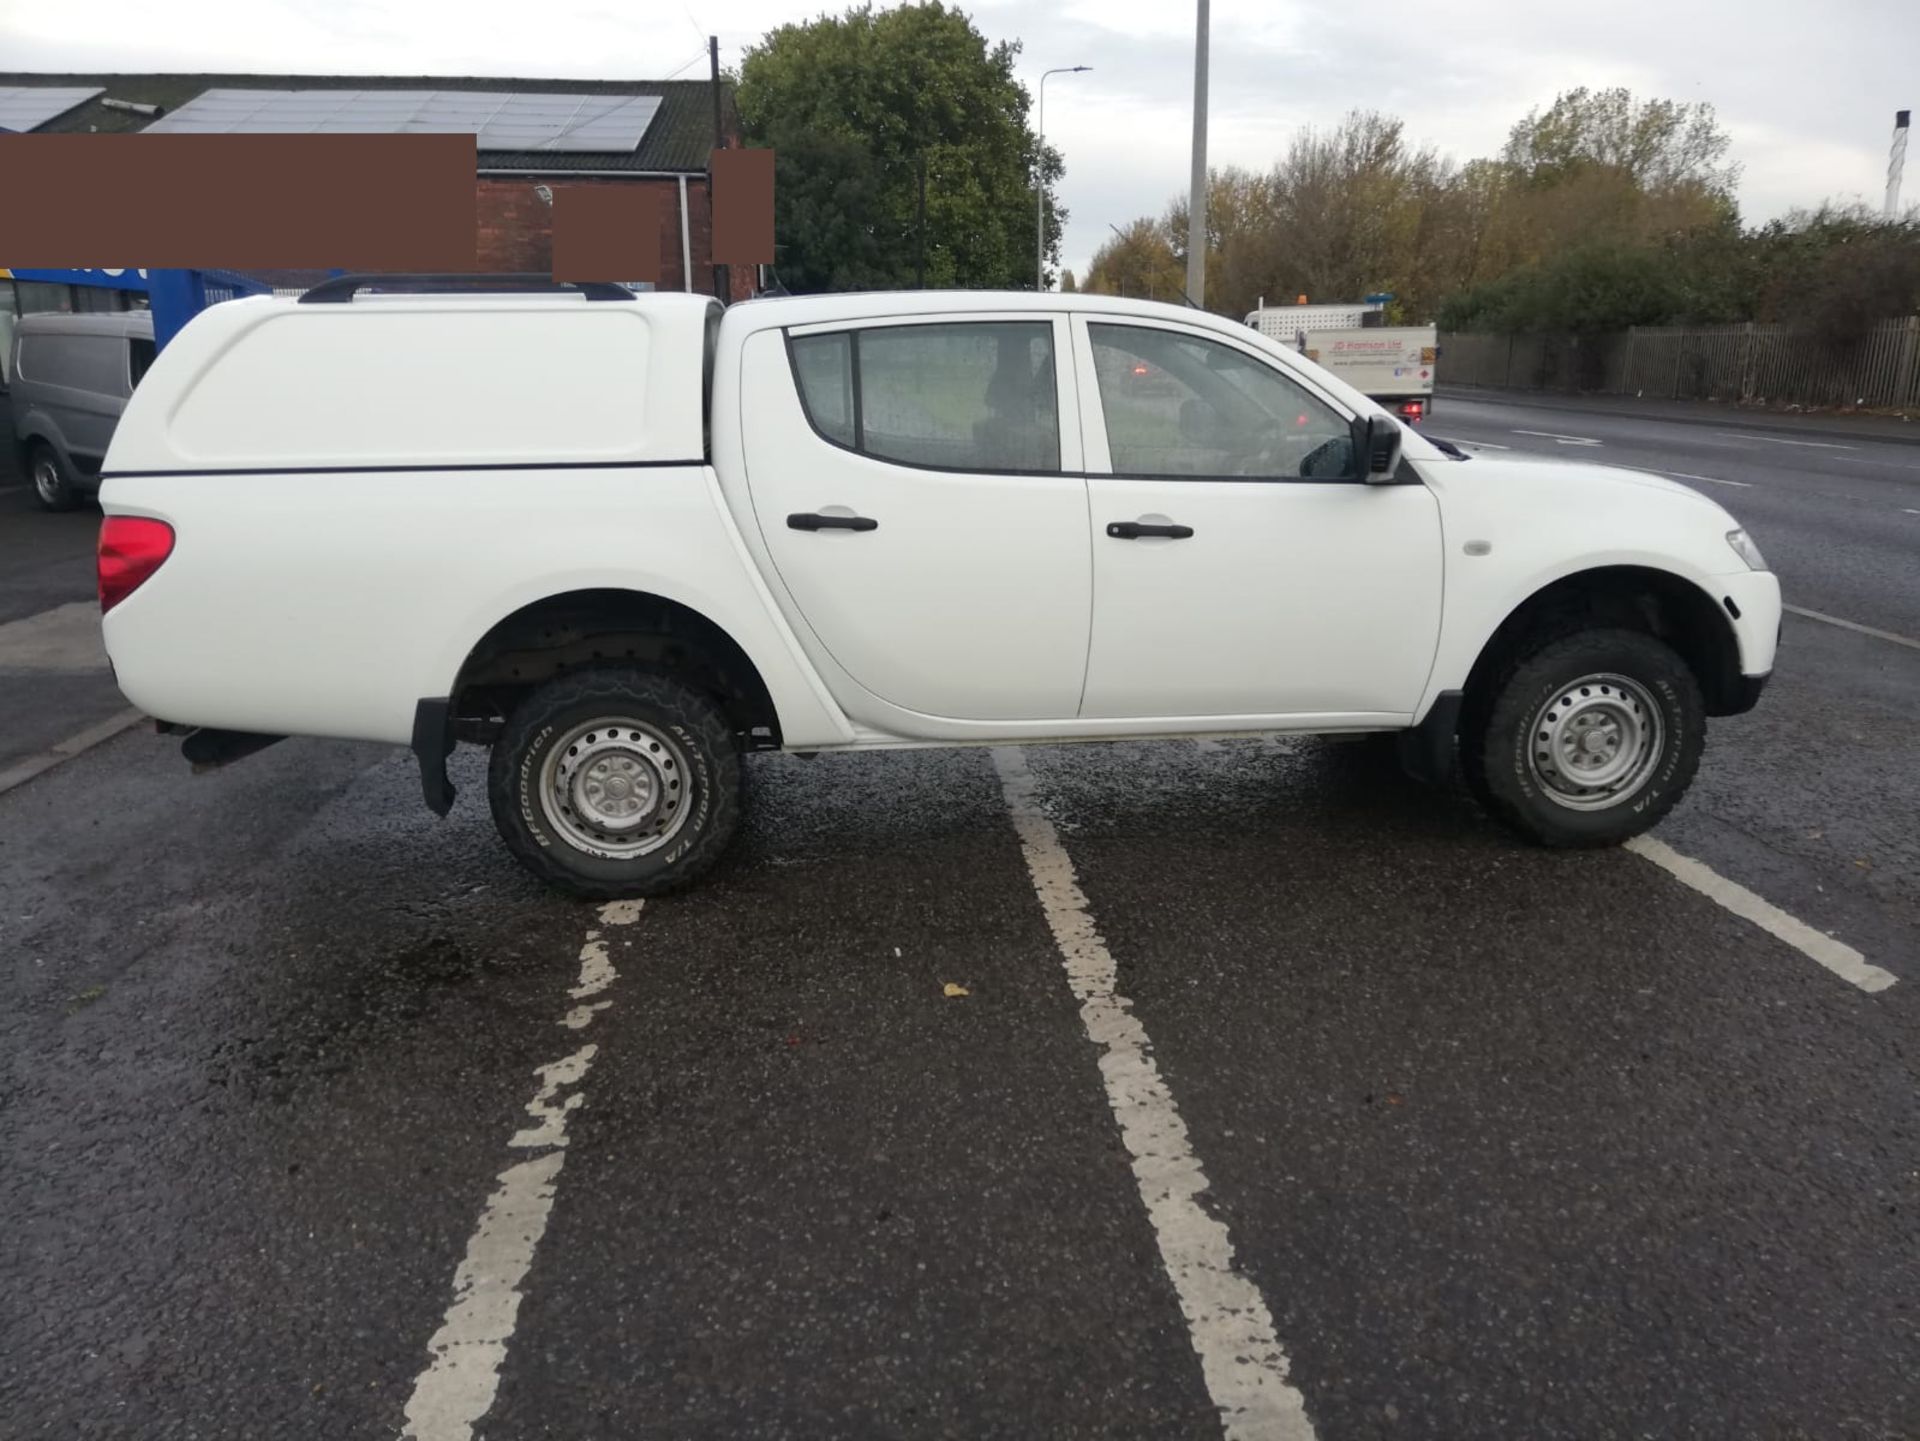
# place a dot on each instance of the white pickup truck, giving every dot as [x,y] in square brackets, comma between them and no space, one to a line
[623,539]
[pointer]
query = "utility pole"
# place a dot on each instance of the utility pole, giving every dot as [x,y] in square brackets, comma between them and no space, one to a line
[1197,195]
[1040,176]
[1897,162]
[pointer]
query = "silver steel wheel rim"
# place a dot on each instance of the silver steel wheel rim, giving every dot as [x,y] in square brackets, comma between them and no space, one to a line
[46,479]
[1595,742]
[615,787]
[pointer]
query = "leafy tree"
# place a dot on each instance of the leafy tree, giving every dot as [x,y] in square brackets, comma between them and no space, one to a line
[855,107]
[1835,271]
[1139,261]
[1655,144]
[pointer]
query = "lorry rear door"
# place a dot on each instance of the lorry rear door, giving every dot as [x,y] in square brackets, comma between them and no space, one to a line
[918,485]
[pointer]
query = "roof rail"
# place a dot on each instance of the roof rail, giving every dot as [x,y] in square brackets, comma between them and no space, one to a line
[340,289]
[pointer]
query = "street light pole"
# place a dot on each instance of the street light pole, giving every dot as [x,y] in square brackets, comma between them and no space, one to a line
[1040,178]
[1197,196]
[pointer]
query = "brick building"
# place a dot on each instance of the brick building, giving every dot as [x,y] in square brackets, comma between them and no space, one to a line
[513,220]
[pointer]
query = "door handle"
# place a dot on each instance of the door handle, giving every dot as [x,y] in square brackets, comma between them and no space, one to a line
[1134,529]
[807,520]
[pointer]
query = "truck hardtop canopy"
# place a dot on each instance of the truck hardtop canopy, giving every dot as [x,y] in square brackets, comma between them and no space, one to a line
[425,381]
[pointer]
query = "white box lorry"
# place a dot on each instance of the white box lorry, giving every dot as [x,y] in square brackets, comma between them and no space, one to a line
[623,541]
[1393,364]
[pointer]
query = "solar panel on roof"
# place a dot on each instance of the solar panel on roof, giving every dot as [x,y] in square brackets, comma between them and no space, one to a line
[498,119]
[28,107]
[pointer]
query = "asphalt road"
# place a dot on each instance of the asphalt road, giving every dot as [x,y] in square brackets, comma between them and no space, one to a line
[1506,1143]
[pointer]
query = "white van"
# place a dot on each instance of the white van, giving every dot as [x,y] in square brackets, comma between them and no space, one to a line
[72,376]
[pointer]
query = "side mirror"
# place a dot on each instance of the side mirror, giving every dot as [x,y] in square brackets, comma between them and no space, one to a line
[1376,441]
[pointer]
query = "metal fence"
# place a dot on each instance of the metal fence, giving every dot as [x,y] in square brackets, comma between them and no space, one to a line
[1756,364]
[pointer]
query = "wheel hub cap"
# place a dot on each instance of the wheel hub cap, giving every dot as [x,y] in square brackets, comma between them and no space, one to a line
[615,787]
[1596,741]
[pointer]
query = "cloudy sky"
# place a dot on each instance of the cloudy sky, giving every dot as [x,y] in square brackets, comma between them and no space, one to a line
[1807,90]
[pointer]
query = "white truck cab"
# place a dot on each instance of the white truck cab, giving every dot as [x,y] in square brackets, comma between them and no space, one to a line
[623,539]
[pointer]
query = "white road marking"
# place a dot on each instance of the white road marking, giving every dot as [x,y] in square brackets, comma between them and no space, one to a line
[1561,439]
[21,772]
[1843,960]
[1686,475]
[460,1383]
[1477,444]
[1854,625]
[1905,511]
[1227,1319]
[1782,440]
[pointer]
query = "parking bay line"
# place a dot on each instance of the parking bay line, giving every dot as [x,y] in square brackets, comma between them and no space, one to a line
[459,1385]
[1227,1318]
[1837,956]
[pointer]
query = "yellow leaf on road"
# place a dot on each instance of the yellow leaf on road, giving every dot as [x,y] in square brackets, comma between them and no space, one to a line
[950,989]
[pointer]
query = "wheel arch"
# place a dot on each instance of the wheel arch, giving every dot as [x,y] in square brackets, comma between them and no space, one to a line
[1661,603]
[575,629]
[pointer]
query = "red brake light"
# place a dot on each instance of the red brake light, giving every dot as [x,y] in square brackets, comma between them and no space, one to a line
[1413,409]
[131,549]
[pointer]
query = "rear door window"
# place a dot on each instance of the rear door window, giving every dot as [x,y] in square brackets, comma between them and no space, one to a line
[967,396]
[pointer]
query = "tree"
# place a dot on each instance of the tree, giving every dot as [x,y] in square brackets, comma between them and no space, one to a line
[1139,261]
[1067,285]
[1656,144]
[854,107]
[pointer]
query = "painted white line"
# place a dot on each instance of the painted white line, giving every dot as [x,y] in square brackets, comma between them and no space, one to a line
[21,772]
[1561,439]
[1905,511]
[1685,475]
[1843,960]
[459,1385]
[1714,479]
[1782,440]
[1227,1319]
[1854,625]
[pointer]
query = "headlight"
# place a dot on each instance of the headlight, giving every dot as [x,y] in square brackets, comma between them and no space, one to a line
[1744,547]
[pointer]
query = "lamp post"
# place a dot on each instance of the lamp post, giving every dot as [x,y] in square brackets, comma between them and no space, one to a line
[1040,178]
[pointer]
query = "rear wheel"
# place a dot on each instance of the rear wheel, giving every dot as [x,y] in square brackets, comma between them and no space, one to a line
[615,782]
[1588,740]
[52,482]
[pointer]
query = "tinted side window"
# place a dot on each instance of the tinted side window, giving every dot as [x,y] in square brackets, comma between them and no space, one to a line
[823,365]
[1179,404]
[139,356]
[963,397]
[960,396]
[93,363]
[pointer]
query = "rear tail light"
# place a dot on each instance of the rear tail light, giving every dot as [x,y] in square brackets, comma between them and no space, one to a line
[1412,409]
[131,549]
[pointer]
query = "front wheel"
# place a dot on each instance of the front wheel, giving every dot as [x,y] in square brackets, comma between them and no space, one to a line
[1588,740]
[611,783]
